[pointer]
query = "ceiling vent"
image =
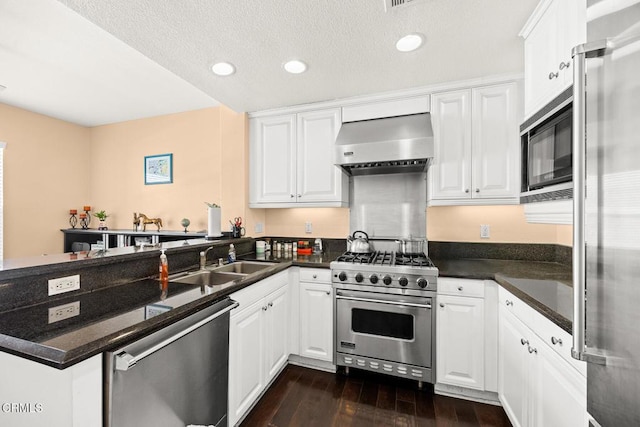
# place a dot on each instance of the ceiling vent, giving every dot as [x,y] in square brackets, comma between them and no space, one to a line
[396,4]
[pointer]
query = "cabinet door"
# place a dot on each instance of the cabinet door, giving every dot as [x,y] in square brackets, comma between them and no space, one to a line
[316,321]
[541,60]
[496,146]
[573,27]
[460,336]
[318,179]
[513,368]
[560,392]
[273,154]
[246,359]
[451,167]
[277,331]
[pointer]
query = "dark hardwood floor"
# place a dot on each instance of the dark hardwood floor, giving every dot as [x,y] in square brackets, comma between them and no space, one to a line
[306,397]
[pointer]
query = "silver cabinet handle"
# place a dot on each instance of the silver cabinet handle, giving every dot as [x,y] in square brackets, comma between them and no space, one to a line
[579,54]
[477,190]
[442,304]
[299,195]
[124,361]
[291,196]
[564,65]
[532,350]
[466,190]
[508,303]
[315,276]
[270,304]
[460,288]
[328,293]
[553,75]
[524,342]
[264,308]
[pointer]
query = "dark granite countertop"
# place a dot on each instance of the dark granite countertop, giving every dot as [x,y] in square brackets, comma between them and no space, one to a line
[545,286]
[109,318]
[313,261]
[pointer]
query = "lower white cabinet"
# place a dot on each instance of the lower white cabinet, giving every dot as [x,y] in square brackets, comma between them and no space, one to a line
[460,341]
[536,385]
[466,338]
[316,321]
[258,341]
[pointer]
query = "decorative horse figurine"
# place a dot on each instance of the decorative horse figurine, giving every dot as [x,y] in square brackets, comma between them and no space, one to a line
[142,218]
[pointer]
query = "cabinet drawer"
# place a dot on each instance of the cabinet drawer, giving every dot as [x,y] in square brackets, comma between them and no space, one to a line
[516,306]
[255,292]
[461,287]
[558,340]
[315,275]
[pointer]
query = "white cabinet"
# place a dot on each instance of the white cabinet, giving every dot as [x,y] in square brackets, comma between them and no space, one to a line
[466,335]
[553,29]
[538,385]
[258,341]
[292,161]
[477,150]
[316,314]
[460,337]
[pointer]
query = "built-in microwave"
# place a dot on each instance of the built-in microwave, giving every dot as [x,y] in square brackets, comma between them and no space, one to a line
[547,153]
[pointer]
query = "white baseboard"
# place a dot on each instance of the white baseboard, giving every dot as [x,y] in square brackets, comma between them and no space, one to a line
[488,397]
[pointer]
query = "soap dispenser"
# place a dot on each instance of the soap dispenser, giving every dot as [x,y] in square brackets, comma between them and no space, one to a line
[232,253]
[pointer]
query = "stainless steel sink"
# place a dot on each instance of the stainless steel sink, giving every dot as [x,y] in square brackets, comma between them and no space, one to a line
[221,275]
[244,267]
[207,277]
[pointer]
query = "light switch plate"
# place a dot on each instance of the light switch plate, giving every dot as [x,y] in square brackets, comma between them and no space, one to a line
[308,228]
[64,284]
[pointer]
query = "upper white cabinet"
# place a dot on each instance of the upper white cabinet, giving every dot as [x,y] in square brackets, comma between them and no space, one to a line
[291,161]
[554,28]
[477,149]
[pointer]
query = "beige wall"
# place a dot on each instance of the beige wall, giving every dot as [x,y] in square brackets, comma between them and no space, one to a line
[209,156]
[46,173]
[507,224]
[450,223]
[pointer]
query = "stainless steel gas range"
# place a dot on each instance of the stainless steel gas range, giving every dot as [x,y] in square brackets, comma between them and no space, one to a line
[384,320]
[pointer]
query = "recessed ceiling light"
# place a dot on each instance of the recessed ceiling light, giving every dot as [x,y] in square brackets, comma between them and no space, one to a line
[223,69]
[295,67]
[409,43]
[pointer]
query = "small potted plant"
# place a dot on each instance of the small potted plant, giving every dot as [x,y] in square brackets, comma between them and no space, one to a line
[102,217]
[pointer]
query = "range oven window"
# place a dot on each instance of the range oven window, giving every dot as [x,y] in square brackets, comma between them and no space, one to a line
[549,152]
[382,323]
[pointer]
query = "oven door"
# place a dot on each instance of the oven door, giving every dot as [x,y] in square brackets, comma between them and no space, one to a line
[391,327]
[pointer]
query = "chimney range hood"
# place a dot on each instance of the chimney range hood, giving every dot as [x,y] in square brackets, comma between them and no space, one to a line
[389,145]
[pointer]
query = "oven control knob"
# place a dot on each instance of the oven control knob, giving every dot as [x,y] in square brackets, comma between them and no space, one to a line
[342,276]
[359,278]
[386,280]
[403,281]
[422,282]
[373,279]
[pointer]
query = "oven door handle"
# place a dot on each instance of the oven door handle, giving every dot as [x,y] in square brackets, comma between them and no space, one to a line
[378,301]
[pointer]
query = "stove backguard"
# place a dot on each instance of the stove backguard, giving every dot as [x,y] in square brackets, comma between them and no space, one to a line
[389,206]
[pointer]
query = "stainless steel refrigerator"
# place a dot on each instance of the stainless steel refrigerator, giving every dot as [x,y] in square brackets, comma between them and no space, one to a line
[606,259]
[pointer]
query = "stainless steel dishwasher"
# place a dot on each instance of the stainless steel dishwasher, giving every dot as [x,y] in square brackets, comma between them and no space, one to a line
[176,376]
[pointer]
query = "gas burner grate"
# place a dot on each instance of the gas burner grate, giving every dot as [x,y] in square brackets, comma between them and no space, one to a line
[382,258]
[356,257]
[414,260]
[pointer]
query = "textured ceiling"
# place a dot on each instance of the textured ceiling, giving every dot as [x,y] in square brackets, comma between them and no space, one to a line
[349,45]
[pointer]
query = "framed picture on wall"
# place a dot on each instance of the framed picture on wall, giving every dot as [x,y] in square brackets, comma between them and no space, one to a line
[158,169]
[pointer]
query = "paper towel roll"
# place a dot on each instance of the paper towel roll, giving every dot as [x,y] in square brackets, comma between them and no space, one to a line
[213,228]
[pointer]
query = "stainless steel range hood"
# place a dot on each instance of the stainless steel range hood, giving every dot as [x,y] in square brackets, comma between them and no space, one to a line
[389,145]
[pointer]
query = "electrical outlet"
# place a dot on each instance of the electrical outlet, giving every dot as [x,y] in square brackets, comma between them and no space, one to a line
[258,227]
[64,284]
[308,228]
[484,231]
[64,311]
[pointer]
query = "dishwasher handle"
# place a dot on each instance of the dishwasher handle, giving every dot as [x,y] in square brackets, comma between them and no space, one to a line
[125,361]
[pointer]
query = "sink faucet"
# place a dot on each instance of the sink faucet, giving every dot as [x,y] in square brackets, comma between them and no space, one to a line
[203,257]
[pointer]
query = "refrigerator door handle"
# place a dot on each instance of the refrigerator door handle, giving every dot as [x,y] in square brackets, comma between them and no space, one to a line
[579,54]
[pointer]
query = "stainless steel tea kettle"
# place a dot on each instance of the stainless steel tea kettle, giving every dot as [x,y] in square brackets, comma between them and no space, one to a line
[360,244]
